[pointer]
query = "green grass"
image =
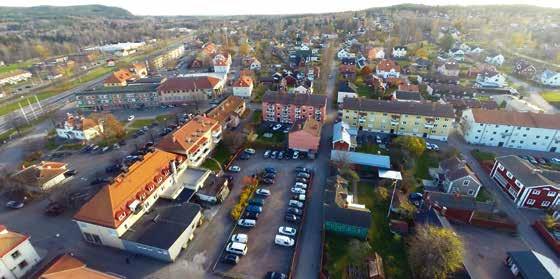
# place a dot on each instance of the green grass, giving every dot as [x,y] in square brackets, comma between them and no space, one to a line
[220,154]
[211,165]
[257,117]
[364,91]
[15,66]
[551,96]
[426,161]
[483,156]
[372,149]
[4,136]
[139,123]
[484,195]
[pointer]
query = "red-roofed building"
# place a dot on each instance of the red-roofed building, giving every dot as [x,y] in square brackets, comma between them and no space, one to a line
[243,87]
[222,62]
[66,266]
[185,89]
[118,78]
[388,68]
[41,176]
[17,255]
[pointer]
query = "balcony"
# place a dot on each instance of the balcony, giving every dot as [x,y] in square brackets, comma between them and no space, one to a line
[217,134]
[429,125]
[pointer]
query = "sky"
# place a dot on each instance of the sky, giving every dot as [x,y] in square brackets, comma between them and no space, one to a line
[244,7]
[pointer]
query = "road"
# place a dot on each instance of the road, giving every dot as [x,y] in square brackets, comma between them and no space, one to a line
[533,94]
[308,265]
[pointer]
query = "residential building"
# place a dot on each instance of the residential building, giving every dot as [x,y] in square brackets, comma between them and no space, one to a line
[118,78]
[228,113]
[287,108]
[305,87]
[362,159]
[525,184]
[255,65]
[524,69]
[79,128]
[496,60]
[142,93]
[41,176]
[454,176]
[531,264]
[343,137]
[169,55]
[523,130]
[140,70]
[491,79]
[67,266]
[399,52]
[439,78]
[243,87]
[305,135]
[222,62]
[388,68]
[408,93]
[375,53]
[17,255]
[343,53]
[449,69]
[129,213]
[215,189]
[550,78]
[450,91]
[346,90]
[341,214]
[347,71]
[457,54]
[13,77]
[514,103]
[195,140]
[423,119]
[185,89]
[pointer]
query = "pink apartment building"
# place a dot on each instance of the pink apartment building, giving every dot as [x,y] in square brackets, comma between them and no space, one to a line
[287,108]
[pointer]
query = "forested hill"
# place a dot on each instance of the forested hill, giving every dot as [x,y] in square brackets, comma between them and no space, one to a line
[52,12]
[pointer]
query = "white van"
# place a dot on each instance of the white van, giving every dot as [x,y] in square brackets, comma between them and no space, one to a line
[283,240]
[237,248]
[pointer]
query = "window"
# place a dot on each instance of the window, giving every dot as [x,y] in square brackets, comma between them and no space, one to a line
[509,175]
[16,254]
[545,203]
[546,137]
[23,264]
[536,192]
[538,137]
[466,183]
[534,143]
[530,201]
[513,141]
[524,135]
[500,167]
[470,192]
[551,194]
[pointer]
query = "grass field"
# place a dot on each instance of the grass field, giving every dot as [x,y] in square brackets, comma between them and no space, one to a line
[15,66]
[426,161]
[551,96]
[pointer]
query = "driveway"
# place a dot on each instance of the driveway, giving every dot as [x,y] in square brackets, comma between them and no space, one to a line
[533,94]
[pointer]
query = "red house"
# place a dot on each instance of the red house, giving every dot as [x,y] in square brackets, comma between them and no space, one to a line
[525,184]
[305,135]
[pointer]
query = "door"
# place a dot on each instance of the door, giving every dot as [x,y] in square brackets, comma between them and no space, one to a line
[500,144]
[425,135]
[392,131]
[360,128]
[553,149]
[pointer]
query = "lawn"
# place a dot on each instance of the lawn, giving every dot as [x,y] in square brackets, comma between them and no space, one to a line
[551,96]
[483,156]
[220,154]
[139,123]
[426,161]
[372,149]
[484,195]
[12,67]
[257,117]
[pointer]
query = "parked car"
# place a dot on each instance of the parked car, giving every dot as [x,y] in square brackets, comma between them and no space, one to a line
[299,197]
[289,231]
[532,160]
[295,203]
[295,155]
[300,185]
[276,127]
[302,169]
[230,259]
[250,151]
[267,181]
[254,208]
[279,275]
[240,237]
[267,154]
[555,161]
[244,156]
[237,248]
[301,179]
[292,218]
[14,204]
[283,240]
[256,201]
[295,211]
[303,174]
[263,192]
[270,170]
[247,223]
[71,172]
[297,191]
[234,168]
[273,154]
[130,118]
[251,215]
[269,175]
[378,140]
[541,161]
[280,155]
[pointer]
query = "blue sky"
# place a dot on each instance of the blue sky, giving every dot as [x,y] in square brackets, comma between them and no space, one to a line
[236,7]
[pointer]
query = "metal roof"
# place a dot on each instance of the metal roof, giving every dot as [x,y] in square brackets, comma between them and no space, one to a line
[358,158]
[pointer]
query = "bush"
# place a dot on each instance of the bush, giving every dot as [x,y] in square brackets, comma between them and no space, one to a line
[244,197]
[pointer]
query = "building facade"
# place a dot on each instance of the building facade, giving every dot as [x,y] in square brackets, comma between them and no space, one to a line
[522,130]
[287,108]
[228,113]
[243,87]
[427,120]
[159,61]
[79,128]
[17,255]
[138,95]
[180,90]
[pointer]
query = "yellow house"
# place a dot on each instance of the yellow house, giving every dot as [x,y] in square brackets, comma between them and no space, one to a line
[426,119]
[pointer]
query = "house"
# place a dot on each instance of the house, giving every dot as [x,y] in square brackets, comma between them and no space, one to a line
[287,108]
[13,77]
[68,266]
[209,49]
[222,62]
[512,129]
[163,58]
[496,60]
[361,62]
[457,54]
[343,53]
[41,176]
[130,214]
[491,79]
[422,64]
[454,207]
[408,93]
[387,68]
[139,70]
[347,71]
[421,119]
[228,113]
[195,140]
[255,65]
[450,91]
[243,87]
[341,214]
[305,135]
[79,128]
[304,88]
[475,50]
[184,89]
[346,90]
[527,185]
[110,62]
[550,78]
[459,105]
[215,189]
[344,137]
[118,78]
[138,94]
[449,68]
[456,177]
[531,264]
[480,68]
[524,69]
[399,52]
[196,63]
[375,53]
[375,82]
[17,255]
[439,78]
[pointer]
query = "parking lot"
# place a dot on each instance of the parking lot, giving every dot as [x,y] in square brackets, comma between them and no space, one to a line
[263,255]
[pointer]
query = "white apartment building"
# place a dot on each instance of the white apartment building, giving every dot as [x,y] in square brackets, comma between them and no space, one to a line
[522,130]
[17,255]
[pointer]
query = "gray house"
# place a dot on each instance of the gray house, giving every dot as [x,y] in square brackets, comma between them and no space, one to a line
[455,176]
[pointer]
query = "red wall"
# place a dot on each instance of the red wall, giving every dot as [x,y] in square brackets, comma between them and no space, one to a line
[340,145]
[542,196]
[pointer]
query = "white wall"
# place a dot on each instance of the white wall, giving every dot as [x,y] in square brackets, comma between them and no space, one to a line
[27,253]
[185,238]
[244,92]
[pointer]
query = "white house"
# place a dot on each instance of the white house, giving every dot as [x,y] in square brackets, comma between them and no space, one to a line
[496,60]
[491,79]
[457,54]
[222,62]
[387,68]
[79,128]
[41,176]
[255,65]
[476,50]
[512,129]
[14,77]
[17,255]
[343,53]
[399,52]
[346,89]
[550,78]
[243,87]
[303,89]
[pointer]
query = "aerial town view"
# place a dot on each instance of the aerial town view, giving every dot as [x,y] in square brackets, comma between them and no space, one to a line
[296,139]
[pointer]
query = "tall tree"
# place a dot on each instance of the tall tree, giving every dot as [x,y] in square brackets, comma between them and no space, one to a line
[446,42]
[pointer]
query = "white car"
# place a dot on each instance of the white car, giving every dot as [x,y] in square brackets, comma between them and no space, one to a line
[295,155]
[250,151]
[297,191]
[240,237]
[234,168]
[289,231]
[300,185]
[283,240]
[300,197]
[263,192]
[130,118]
[294,203]
[237,248]
[276,127]
[432,146]
[555,161]
[247,223]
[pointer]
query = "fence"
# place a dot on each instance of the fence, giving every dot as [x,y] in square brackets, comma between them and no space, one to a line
[547,236]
